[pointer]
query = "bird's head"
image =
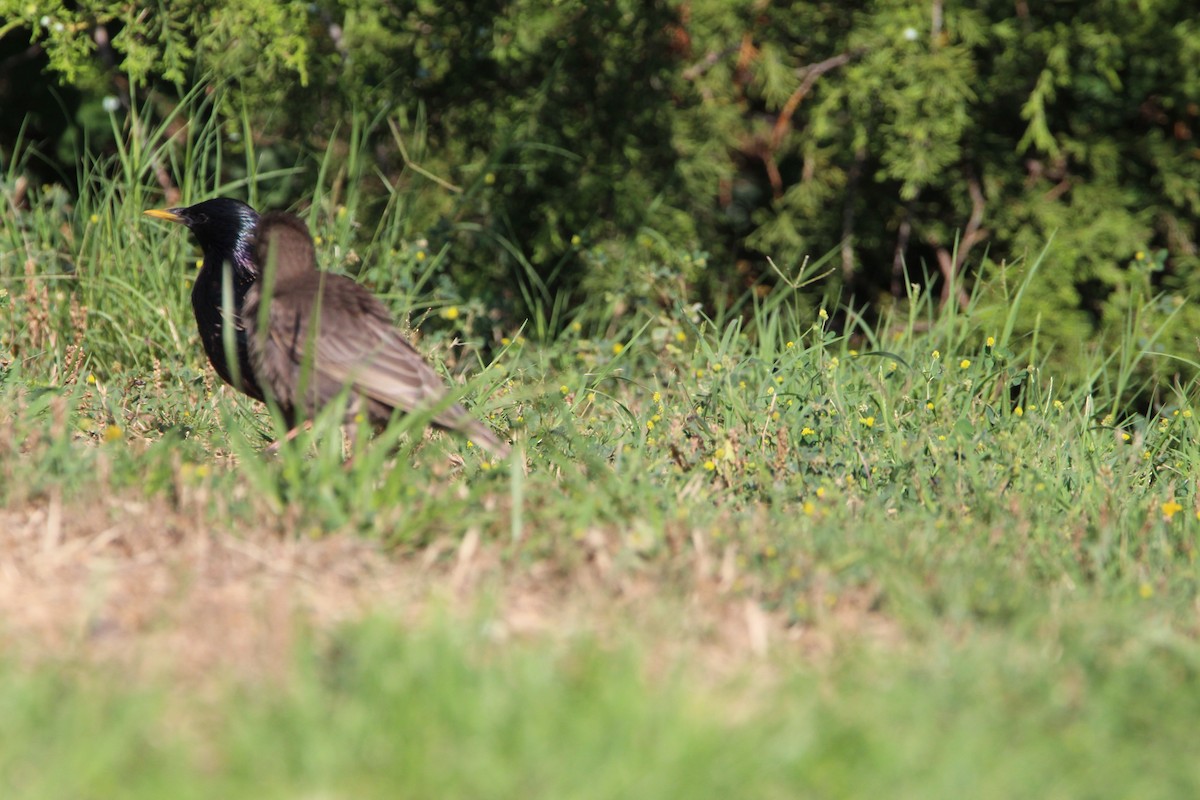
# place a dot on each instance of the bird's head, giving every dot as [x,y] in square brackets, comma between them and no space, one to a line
[222,226]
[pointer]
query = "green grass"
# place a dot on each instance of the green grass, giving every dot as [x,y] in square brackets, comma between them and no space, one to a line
[384,712]
[980,574]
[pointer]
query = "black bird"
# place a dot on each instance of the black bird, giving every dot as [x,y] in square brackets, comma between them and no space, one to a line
[311,334]
[224,229]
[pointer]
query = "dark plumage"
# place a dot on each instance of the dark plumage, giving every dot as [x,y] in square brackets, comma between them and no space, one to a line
[320,333]
[223,228]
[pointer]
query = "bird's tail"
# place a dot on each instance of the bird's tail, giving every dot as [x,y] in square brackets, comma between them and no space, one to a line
[483,436]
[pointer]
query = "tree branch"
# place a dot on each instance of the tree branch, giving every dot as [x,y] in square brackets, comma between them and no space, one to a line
[951,265]
[783,122]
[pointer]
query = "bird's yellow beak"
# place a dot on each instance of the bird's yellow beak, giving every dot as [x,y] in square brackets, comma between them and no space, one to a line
[162,213]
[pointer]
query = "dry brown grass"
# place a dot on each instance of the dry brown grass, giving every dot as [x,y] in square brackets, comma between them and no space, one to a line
[151,588]
[155,591]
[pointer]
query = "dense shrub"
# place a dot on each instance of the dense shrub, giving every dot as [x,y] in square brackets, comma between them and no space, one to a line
[923,141]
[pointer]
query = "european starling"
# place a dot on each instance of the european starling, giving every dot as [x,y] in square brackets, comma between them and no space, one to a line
[223,228]
[320,333]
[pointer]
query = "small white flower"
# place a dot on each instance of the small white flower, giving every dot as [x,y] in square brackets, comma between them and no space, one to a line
[44,22]
[911,34]
[110,104]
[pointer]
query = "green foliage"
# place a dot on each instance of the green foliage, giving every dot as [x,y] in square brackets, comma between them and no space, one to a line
[539,142]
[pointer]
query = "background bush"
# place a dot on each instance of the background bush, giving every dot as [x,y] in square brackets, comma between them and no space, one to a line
[609,155]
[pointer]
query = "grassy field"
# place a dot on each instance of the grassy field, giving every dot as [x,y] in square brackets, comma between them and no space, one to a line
[736,556]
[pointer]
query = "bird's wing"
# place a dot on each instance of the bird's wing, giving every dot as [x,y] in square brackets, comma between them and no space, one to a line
[275,347]
[359,346]
[355,344]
